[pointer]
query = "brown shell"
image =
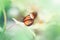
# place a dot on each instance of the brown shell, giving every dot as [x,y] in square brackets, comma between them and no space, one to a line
[34,14]
[28,20]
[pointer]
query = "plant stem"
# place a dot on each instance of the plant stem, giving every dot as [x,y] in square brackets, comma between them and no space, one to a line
[4,12]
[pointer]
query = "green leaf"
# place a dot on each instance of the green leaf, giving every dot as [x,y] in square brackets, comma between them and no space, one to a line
[16,32]
[4,5]
[1,19]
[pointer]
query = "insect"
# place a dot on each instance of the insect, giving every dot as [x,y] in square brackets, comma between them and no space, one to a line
[29,19]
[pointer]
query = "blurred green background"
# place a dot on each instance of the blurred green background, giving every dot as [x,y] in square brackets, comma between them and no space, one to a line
[9,30]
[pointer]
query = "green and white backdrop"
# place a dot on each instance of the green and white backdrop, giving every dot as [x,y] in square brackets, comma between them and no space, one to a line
[49,12]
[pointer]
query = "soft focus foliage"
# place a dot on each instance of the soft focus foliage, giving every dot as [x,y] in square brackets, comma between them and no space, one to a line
[4,5]
[21,32]
[53,29]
